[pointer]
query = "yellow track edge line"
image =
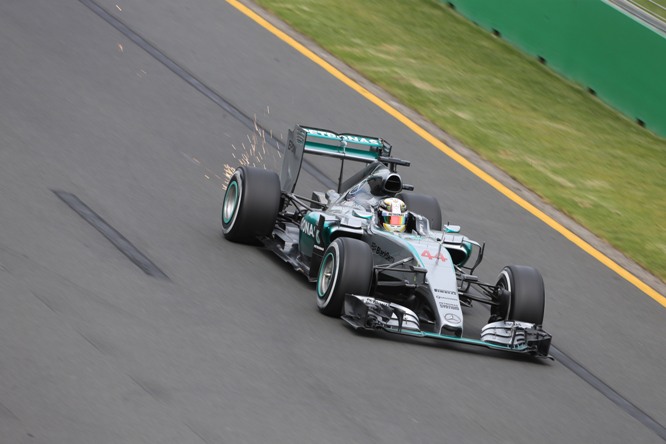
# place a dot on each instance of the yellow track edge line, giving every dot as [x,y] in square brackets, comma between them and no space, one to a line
[568,234]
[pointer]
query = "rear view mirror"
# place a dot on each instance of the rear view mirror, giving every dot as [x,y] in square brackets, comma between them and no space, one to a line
[452,228]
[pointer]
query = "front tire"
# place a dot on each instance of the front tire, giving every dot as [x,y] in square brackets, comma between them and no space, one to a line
[251,204]
[346,267]
[523,298]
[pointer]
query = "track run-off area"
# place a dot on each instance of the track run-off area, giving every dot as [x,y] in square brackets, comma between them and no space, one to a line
[135,109]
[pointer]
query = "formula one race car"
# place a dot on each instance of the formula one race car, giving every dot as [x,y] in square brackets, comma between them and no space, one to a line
[379,254]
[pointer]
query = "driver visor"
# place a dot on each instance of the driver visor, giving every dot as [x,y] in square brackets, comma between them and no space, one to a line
[395,219]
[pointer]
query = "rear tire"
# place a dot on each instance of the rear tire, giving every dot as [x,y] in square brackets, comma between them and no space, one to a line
[424,205]
[525,298]
[251,204]
[346,267]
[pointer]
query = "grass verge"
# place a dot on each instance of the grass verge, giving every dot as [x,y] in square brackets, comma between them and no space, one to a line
[656,7]
[578,154]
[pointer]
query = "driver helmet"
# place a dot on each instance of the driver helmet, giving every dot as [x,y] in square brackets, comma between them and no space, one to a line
[393,215]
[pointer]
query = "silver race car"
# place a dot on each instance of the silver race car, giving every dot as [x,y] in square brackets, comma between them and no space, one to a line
[378,252]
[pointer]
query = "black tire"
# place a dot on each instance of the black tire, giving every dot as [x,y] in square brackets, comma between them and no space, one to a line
[251,204]
[424,205]
[346,267]
[524,299]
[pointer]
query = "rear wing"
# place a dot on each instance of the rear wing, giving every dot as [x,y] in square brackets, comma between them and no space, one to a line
[321,142]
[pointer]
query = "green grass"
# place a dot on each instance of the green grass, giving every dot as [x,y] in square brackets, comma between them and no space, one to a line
[578,154]
[656,7]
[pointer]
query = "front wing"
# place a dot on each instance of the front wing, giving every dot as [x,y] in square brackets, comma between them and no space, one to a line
[367,313]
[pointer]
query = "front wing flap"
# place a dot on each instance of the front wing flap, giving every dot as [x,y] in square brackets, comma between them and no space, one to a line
[367,313]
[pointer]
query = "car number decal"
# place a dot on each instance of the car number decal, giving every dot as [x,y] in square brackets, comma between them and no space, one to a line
[429,255]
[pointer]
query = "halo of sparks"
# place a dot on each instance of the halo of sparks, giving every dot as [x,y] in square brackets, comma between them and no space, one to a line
[254,154]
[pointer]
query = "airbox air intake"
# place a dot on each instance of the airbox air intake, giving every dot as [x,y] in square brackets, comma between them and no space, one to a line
[393,184]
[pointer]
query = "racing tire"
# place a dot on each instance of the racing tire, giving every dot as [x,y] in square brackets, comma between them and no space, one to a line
[346,267]
[524,299]
[251,204]
[424,205]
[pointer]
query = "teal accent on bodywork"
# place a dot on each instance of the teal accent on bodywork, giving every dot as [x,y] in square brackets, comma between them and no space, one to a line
[348,146]
[362,214]
[349,138]
[318,148]
[309,234]
[425,334]
[468,248]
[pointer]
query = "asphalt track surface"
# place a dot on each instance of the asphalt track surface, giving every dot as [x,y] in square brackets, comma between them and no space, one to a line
[230,348]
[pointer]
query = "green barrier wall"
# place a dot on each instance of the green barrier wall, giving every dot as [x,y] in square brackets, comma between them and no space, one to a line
[590,42]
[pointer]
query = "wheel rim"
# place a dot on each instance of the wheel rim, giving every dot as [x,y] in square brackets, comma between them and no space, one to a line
[325,278]
[230,204]
[505,283]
